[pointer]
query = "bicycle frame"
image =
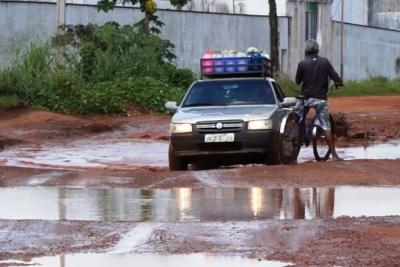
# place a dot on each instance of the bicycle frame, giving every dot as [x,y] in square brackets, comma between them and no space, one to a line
[306,133]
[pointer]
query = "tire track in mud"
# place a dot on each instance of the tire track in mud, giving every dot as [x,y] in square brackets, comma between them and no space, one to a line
[372,241]
[313,174]
[135,239]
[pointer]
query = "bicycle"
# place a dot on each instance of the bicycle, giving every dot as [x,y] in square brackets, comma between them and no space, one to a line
[297,132]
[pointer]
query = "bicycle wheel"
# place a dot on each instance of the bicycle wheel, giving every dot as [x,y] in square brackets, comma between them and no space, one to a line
[321,149]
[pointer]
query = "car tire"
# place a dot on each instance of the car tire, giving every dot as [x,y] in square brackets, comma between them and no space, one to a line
[290,141]
[176,163]
[273,156]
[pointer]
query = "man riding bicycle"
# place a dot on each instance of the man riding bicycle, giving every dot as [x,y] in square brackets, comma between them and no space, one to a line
[313,73]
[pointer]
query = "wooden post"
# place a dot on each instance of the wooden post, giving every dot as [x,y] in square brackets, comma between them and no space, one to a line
[60,14]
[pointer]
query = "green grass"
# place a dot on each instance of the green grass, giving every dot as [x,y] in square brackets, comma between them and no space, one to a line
[9,101]
[375,86]
[289,87]
[372,87]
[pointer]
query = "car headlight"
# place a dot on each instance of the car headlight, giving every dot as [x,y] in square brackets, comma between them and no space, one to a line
[180,128]
[260,125]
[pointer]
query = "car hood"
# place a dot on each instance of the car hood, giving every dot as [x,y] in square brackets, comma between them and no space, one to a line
[245,113]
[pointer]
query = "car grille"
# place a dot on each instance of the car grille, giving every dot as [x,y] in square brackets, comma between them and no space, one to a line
[226,126]
[220,147]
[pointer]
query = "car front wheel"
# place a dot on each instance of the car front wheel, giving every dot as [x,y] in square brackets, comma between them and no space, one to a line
[273,156]
[176,163]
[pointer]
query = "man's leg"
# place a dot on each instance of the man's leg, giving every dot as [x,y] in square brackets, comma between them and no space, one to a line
[323,116]
[331,144]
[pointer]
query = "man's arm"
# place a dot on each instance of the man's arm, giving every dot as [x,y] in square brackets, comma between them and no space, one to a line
[299,74]
[334,75]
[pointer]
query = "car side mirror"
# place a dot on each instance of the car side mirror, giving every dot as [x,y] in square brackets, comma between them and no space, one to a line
[289,102]
[171,105]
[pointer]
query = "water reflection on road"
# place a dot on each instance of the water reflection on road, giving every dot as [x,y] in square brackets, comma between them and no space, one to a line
[150,260]
[201,204]
[141,153]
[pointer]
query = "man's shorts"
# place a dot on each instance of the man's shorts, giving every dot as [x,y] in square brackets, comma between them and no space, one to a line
[322,116]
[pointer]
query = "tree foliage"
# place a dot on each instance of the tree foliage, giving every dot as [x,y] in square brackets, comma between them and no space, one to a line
[179,3]
[148,7]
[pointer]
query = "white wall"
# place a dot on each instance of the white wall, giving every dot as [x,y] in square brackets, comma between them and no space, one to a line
[191,32]
[250,7]
[355,11]
[367,51]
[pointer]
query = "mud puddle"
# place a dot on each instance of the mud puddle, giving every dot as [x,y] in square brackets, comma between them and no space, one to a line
[128,154]
[193,205]
[148,260]
[90,154]
[389,150]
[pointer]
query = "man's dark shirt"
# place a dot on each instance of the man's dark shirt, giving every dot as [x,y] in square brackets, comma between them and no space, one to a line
[314,72]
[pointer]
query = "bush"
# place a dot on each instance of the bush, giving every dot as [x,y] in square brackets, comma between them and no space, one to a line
[178,77]
[289,87]
[7,82]
[110,51]
[92,69]
[9,101]
[150,93]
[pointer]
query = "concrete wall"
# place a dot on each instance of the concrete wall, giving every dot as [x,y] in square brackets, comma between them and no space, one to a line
[367,52]
[355,11]
[191,32]
[297,10]
[22,24]
[384,14]
[253,7]
[249,7]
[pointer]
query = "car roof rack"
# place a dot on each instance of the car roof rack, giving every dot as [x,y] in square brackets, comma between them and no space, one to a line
[236,67]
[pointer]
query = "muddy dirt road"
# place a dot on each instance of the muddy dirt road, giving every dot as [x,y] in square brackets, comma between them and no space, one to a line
[96,191]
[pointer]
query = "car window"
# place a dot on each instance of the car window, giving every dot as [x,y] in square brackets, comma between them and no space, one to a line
[278,91]
[240,92]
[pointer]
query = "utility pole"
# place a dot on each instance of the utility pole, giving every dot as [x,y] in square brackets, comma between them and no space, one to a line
[342,41]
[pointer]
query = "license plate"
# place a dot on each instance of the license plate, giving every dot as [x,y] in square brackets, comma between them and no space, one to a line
[220,138]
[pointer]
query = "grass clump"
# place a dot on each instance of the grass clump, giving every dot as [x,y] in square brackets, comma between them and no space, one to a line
[98,70]
[9,101]
[374,86]
[289,87]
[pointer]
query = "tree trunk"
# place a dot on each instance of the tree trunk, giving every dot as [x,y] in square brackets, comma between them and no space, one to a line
[146,24]
[274,35]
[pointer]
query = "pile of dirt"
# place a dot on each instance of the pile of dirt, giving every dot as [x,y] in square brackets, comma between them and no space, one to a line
[369,118]
[30,125]
[372,127]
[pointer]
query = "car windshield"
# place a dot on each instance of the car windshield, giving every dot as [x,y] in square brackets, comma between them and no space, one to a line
[225,93]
